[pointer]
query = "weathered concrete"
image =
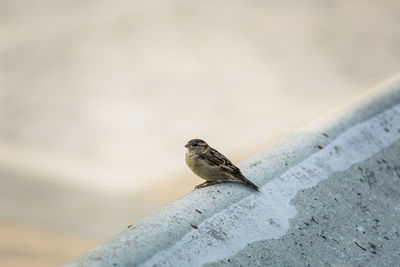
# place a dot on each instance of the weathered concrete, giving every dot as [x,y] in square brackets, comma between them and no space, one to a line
[330,195]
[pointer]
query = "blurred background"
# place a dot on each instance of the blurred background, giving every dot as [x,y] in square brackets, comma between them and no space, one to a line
[98,98]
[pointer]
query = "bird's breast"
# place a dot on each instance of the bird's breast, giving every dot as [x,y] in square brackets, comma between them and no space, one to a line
[192,160]
[202,169]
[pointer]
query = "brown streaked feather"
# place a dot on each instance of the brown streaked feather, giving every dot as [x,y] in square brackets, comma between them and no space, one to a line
[241,177]
[218,160]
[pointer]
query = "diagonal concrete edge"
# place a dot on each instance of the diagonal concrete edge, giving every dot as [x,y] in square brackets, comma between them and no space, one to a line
[330,194]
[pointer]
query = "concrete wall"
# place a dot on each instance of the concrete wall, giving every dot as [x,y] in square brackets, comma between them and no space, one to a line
[330,195]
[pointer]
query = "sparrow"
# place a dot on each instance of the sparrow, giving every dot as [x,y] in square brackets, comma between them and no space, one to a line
[212,166]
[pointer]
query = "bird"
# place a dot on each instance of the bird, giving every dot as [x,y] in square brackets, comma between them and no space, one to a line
[212,166]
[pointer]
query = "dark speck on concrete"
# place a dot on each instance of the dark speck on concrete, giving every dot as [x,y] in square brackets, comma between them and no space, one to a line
[313,220]
[358,245]
[255,163]
[194,226]
[325,134]
[320,147]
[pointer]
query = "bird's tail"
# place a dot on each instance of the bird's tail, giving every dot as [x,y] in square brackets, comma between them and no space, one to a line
[247,182]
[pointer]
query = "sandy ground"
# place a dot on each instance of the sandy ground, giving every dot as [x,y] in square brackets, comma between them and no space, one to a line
[97,98]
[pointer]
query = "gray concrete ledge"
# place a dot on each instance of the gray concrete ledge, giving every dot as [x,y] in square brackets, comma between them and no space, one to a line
[330,195]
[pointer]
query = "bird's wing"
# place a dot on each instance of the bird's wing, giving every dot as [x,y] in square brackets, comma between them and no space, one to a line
[214,158]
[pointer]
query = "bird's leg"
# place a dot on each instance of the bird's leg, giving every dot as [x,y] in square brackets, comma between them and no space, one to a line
[207,183]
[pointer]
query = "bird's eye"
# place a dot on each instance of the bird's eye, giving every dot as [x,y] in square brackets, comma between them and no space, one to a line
[195,145]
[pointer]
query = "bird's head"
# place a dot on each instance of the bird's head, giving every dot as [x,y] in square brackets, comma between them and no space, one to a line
[196,145]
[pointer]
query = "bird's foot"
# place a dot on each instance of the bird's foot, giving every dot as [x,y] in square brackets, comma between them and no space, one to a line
[207,183]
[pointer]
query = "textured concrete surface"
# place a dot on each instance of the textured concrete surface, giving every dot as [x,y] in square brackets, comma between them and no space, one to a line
[330,195]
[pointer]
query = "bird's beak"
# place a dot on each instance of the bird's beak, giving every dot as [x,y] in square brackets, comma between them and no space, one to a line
[188,146]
